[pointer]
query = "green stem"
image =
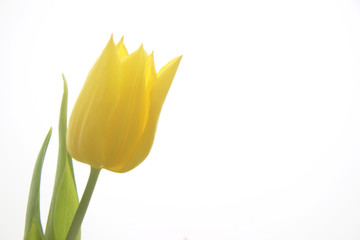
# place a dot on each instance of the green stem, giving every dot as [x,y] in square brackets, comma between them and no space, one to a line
[84,203]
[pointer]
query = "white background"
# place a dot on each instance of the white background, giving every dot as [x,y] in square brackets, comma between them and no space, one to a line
[259,137]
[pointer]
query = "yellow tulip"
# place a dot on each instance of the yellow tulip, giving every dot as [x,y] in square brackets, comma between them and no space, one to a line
[114,119]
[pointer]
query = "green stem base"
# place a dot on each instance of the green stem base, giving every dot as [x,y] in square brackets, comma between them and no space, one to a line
[84,203]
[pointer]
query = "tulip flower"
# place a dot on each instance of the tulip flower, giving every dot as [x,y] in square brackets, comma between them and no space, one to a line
[113,122]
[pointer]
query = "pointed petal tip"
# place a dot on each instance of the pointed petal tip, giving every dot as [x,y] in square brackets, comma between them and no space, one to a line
[121,41]
[110,42]
[173,64]
[141,49]
[176,60]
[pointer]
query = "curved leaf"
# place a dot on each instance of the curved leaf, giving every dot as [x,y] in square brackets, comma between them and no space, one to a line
[64,200]
[33,228]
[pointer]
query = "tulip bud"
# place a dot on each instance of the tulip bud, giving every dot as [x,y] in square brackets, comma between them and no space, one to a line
[114,119]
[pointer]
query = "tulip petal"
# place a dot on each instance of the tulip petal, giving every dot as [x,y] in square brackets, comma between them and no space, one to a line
[161,87]
[150,72]
[158,95]
[123,53]
[150,78]
[89,119]
[127,121]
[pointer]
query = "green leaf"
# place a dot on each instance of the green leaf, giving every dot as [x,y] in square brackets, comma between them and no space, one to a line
[64,200]
[33,228]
